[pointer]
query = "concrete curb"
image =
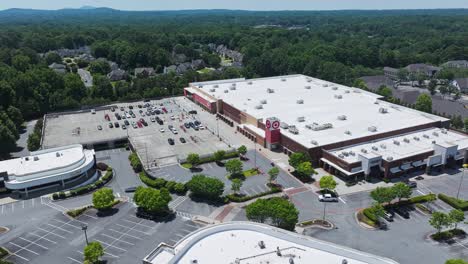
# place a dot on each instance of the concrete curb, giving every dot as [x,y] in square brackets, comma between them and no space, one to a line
[361,224]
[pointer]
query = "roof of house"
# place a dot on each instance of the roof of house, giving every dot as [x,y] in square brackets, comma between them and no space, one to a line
[352,112]
[460,62]
[57,66]
[148,70]
[422,67]
[390,69]
[117,74]
[462,82]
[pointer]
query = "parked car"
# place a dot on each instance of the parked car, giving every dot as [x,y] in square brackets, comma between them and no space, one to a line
[327,198]
[187,125]
[107,117]
[164,110]
[112,109]
[172,117]
[412,184]
[175,131]
[170,127]
[134,125]
[402,211]
[182,140]
[99,127]
[124,127]
[111,125]
[93,111]
[152,119]
[192,112]
[140,125]
[388,216]
[161,130]
[130,106]
[126,122]
[170,141]
[130,189]
[382,224]
[197,123]
[116,124]
[201,127]
[118,116]
[140,106]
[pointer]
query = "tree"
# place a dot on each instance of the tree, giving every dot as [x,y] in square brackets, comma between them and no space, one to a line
[421,77]
[432,86]
[152,200]
[93,251]
[16,116]
[424,103]
[206,187]
[456,216]
[402,74]
[382,195]
[456,261]
[401,190]
[103,199]
[385,91]
[444,90]
[328,183]
[457,121]
[52,57]
[242,150]
[439,220]
[100,67]
[279,211]
[412,77]
[236,185]
[378,210]
[305,170]
[273,173]
[297,158]
[219,155]
[193,159]
[465,122]
[234,167]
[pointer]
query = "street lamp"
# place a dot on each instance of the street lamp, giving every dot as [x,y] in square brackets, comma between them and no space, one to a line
[84,228]
[465,167]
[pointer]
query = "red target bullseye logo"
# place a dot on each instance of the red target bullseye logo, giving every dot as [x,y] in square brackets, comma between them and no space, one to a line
[276,125]
[268,124]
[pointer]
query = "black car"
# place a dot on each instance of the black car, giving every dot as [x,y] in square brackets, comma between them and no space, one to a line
[130,106]
[412,184]
[118,116]
[116,124]
[170,141]
[126,123]
[187,125]
[112,109]
[402,211]
[170,127]
[192,112]
[182,140]
[197,123]
[130,189]
[140,106]
[121,108]
[111,125]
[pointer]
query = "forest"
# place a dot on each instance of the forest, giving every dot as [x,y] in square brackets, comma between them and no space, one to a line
[338,46]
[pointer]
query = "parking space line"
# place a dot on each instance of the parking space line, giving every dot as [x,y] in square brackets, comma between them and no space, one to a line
[32,242]
[106,235]
[74,260]
[16,255]
[42,237]
[122,233]
[110,245]
[23,248]
[90,216]
[133,229]
[50,232]
[419,191]
[57,227]
[341,199]
[193,225]
[137,223]
[65,223]
[186,231]
[23,203]
[2,209]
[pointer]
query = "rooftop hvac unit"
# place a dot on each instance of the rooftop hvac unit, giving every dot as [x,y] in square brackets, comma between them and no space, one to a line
[325,85]
[433,142]
[318,127]
[284,125]
[269,90]
[372,129]
[301,119]
[293,130]
[443,131]
[357,91]
[215,86]
[364,150]
[300,101]
[307,87]
[263,101]
[261,244]
[259,106]
[347,91]
[283,79]
[36,158]
[193,261]
[249,83]
[232,88]
[347,132]
[226,91]
[425,136]
[309,80]
[375,148]
[416,138]
[200,86]
[334,88]
[341,156]
[383,110]
[345,153]
[435,134]
[233,85]
[338,96]
[212,90]
[341,117]
[396,142]
[406,140]
[352,153]
[383,146]
[389,158]
[376,102]
[57,154]
[314,142]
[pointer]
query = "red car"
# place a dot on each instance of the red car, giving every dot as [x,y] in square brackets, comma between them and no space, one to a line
[164,109]
[107,117]
[140,125]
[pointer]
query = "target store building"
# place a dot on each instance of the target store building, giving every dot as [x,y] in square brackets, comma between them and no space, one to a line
[298,113]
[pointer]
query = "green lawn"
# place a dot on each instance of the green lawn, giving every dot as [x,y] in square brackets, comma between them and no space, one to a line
[205,70]
[187,165]
[251,172]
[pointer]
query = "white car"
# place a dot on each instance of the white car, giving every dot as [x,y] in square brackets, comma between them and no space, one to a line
[201,127]
[175,131]
[162,130]
[327,198]
[172,117]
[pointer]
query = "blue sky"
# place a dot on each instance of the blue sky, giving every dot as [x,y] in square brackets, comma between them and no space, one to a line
[236,4]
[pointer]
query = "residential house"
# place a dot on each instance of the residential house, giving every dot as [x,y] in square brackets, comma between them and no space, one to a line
[113,65]
[117,75]
[461,84]
[391,73]
[426,69]
[58,68]
[197,64]
[456,64]
[86,57]
[145,72]
[183,67]
[172,68]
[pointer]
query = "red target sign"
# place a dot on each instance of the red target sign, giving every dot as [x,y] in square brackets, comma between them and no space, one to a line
[276,124]
[268,124]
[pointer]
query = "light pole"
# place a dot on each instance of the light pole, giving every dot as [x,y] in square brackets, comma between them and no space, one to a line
[255,152]
[465,167]
[84,228]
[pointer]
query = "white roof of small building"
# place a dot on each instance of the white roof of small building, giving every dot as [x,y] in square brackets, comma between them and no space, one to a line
[238,242]
[322,102]
[403,146]
[43,160]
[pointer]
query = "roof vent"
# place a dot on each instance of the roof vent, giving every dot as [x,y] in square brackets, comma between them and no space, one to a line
[347,91]
[341,156]
[36,158]
[383,146]
[212,90]
[232,88]
[425,136]
[283,79]
[301,119]
[435,134]
[334,88]
[443,131]
[383,110]
[338,96]
[249,83]
[284,125]
[300,101]
[261,244]
[226,91]
[269,90]
[200,86]
[57,154]
[347,132]
[309,80]
[325,85]
[372,128]
[406,140]
[375,148]
[389,158]
[396,142]
[357,91]
[307,87]
[314,142]
[259,106]
[352,153]
[364,150]
[215,86]
[293,130]
[416,138]
[433,142]
[341,117]
[263,101]
[233,85]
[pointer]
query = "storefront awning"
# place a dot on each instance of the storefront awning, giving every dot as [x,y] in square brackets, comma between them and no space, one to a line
[394,170]
[339,168]
[406,166]
[417,163]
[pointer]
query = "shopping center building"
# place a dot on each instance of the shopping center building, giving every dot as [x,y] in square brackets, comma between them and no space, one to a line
[297,113]
[247,242]
[48,170]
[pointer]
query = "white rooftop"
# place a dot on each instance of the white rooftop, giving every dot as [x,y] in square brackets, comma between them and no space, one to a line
[351,111]
[238,243]
[402,146]
[43,160]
